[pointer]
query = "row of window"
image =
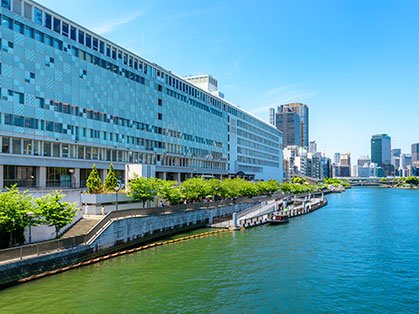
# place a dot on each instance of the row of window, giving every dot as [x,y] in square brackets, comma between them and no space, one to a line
[250,169]
[252,129]
[254,153]
[256,138]
[103,63]
[254,161]
[66,29]
[19,146]
[257,146]
[17,97]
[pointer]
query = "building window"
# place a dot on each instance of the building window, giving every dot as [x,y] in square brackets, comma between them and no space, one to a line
[18,27]
[17,6]
[81,37]
[37,16]
[73,33]
[88,41]
[64,150]
[80,152]
[160,102]
[160,116]
[48,21]
[160,88]
[5,4]
[16,146]
[27,147]
[57,25]
[56,150]
[65,29]
[47,149]
[95,44]
[5,145]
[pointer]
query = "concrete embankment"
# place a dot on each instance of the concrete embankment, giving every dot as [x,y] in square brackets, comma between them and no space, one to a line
[116,234]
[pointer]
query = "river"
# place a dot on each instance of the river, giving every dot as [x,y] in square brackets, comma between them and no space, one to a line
[358,254]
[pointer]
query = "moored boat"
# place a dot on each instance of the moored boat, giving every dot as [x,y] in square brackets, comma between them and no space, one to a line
[278,219]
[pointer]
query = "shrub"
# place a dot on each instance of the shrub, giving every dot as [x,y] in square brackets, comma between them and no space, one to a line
[94,184]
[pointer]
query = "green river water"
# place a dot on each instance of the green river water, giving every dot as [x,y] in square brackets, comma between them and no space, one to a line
[358,254]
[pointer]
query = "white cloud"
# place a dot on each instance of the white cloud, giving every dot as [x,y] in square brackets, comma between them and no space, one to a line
[103,29]
[283,95]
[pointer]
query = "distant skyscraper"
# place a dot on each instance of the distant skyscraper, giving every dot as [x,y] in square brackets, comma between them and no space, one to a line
[406,160]
[345,159]
[312,147]
[336,159]
[289,124]
[363,160]
[381,149]
[415,152]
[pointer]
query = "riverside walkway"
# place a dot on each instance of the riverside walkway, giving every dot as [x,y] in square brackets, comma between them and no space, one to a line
[261,213]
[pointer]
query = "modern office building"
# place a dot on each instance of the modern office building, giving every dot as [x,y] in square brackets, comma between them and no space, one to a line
[71,98]
[336,159]
[363,160]
[312,148]
[381,149]
[406,160]
[289,124]
[294,127]
[255,146]
[415,153]
[345,159]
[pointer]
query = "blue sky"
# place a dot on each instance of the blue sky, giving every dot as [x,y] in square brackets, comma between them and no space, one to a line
[355,63]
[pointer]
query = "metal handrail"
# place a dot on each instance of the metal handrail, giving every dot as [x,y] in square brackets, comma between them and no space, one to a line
[36,249]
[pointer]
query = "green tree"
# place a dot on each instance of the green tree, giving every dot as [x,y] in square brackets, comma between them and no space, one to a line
[194,189]
[94,184]
[143,189]
[54,212]
[111,181]
[168,191]
[14,207]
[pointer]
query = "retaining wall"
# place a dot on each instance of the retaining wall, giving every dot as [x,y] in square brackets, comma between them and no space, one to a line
[121,233]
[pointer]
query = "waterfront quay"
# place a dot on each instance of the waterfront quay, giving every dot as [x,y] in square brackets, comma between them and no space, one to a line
[120,230]
[357,254]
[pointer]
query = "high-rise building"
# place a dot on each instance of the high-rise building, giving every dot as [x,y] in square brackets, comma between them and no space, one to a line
[363,160]
[381,149]
[415,152]
[312,147]
[345,159]
[289,124]
[336,159]
[70,98]
[284,121]
[406,160]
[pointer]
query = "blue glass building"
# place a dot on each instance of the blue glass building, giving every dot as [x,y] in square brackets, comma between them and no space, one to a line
[71,99]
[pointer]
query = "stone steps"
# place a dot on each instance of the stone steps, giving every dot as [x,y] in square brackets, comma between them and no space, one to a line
[83,226]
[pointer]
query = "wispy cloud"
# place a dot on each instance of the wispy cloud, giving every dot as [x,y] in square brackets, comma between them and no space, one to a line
[106,28]
[189,14]
[282,95]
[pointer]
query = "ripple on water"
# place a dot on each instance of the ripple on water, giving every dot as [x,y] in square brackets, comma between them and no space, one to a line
[358,254]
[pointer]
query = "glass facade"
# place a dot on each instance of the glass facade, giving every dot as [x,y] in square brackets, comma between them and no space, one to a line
[69,94]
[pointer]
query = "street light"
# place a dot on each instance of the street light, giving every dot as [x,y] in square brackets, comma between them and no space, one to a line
[116,190]
[71,177]
[30,214]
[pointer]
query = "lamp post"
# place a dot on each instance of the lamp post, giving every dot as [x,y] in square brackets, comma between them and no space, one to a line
[71,177]
[30,214]
[116,190]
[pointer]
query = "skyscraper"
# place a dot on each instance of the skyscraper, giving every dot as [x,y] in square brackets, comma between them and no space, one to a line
[381,149]
[289,124]
[282,124]
[415,152]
